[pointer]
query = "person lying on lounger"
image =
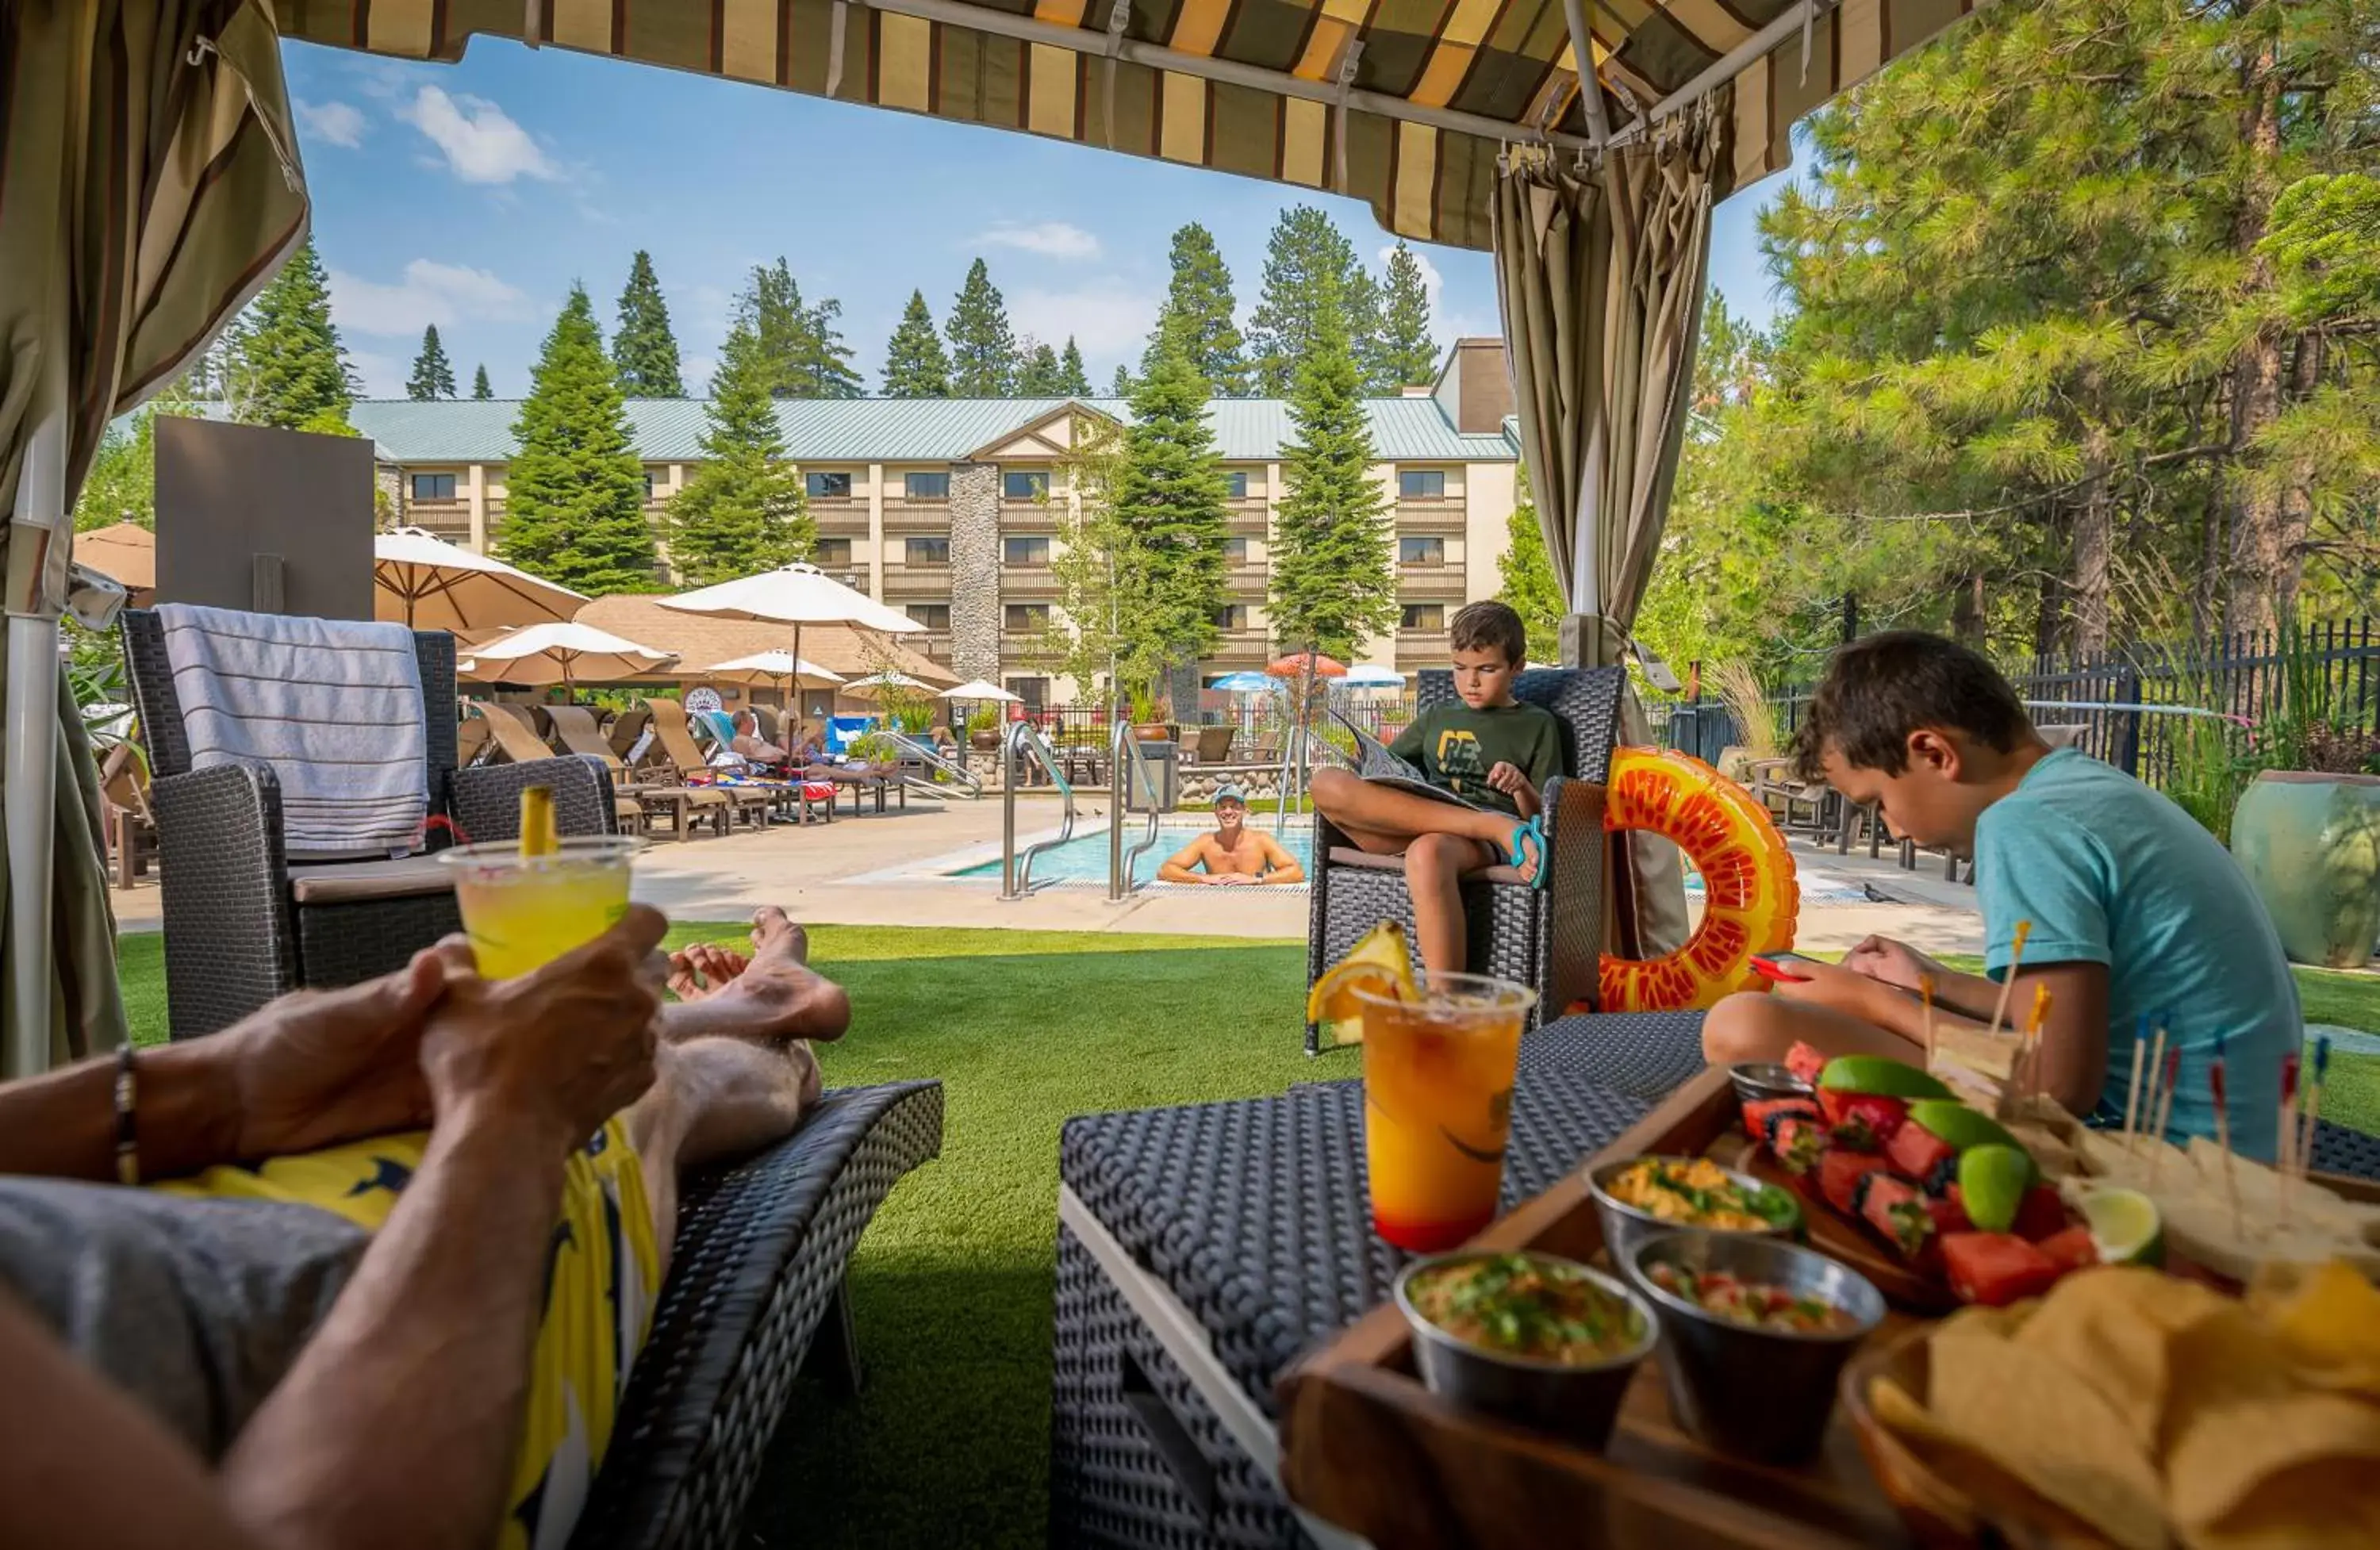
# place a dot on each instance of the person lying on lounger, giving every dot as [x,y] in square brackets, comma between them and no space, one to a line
[327,1326]
[1235,854]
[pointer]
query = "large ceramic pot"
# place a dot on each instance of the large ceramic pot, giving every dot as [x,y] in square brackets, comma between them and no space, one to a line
[2311,846]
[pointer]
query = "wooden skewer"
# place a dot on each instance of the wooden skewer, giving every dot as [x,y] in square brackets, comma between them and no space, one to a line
[2165,1108]
[1926,996]
[2008,981]
[2148,1103]
[2033,1024]
[2133,1093]
[2223,1137]
[2285,1131]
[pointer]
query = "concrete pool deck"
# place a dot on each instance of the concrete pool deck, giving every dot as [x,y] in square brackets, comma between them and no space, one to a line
[849,873]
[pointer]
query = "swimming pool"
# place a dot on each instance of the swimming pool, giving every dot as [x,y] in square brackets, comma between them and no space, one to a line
[1084,858]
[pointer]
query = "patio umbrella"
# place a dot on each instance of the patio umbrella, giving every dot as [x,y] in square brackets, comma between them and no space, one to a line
[153,188]
[874,686]
[561,654]
[424,582]
[977,689]
[1370,677]
[1305,664]
[1243,683]
[125,553]
[771,669]
[795,595]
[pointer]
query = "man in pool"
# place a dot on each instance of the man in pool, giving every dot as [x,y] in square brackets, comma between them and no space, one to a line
[1235,854]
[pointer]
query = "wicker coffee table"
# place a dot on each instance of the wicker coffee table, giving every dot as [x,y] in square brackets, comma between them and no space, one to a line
[1199,1248]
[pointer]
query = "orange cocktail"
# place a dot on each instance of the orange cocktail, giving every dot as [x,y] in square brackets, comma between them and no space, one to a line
[522,911]
[1437,1104]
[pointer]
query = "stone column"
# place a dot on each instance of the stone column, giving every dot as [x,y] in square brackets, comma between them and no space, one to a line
[390,481]
[975,570]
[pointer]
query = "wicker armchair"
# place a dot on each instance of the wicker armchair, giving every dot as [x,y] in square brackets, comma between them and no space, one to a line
[1549,938]
[242,923]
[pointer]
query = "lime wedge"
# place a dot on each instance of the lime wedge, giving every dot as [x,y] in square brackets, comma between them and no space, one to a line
[2125,1226]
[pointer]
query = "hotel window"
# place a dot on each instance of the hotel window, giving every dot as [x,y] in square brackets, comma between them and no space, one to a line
[1024,551]
[929,551]
[1421,484]
[1234,617]
[1025,485]
[1421,552]
[1025,618]
[1236,483]
[831,552]
[434,486]
[926,487]
[1034,691]
[828,487]
[934,616]
[1235,552]
[1423,617]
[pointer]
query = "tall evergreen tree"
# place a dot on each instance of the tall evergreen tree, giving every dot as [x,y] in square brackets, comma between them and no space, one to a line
[575,496]
[1198,310]
[983,351]
[915,365]
[1170,500]
[1404,353]
[285,367]
[1039,375]
[1305,260]
[644,349]
[743,510]
[1529,585]
[432,376]
[1333,582]
[827,371]
[1119,385]
[805,351]
[1073,381]
[479,385]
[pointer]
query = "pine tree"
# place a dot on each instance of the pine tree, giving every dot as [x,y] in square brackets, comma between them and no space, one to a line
[1073,381]
[914,363]
[1169,500]
[574,505]
[1121,385]
[743,509]
[1405,355]
[1333,585]
[1198,310]
[827,371]
[1305,260]
[286,367]
[1527,578]
[1039,375]
[983,351]
[645,350]
[480,388]
[805,352]
[432,377]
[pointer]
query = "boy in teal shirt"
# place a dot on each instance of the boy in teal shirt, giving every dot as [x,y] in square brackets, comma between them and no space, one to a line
[2137,915]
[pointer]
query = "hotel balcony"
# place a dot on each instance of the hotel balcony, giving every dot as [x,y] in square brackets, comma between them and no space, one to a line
[1031,516]
[916,516]
[1024,583]
[1444,581]
[450,520]
[1439,514]
[904,580]
[1249,517]
[840,515]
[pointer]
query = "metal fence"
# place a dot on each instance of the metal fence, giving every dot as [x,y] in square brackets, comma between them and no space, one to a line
[2134,707]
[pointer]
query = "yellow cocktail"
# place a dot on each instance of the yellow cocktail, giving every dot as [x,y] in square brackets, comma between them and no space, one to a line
[1437,1104]
[522,911]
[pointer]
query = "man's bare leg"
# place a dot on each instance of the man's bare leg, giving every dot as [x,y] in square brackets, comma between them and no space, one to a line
[1756,1026]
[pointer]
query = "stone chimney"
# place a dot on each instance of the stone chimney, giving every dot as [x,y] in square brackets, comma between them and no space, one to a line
[1474,388]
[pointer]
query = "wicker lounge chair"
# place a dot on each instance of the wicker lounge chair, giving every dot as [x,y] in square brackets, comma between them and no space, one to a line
[1550,938]
[242,923]
[672,735]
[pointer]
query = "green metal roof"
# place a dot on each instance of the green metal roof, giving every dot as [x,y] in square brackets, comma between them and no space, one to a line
[897,430]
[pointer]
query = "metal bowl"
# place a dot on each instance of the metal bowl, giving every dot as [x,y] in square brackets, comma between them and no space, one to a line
[1762,1393]
[1760,1081]
[1577,1401]
[1625,1226]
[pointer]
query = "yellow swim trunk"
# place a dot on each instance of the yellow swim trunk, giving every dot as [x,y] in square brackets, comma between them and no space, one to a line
[603,1271]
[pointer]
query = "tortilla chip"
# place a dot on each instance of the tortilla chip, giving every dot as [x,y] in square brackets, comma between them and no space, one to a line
[2041,1421]
[1965,1466]
[2327,1317]
[2112,1328]
[2224,1362]
[2287,1474]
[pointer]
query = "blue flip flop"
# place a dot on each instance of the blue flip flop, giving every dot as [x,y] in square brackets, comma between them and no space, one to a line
[1518,856]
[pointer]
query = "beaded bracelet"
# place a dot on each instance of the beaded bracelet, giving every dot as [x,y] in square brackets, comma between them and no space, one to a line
[127,1144]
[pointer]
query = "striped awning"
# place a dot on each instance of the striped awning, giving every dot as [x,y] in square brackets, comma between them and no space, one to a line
[1402,103]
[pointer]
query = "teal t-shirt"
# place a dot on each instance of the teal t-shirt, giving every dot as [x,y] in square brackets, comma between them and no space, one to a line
[2110,872]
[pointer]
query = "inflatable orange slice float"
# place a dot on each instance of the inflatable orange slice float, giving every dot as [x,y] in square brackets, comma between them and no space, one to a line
[1750,898]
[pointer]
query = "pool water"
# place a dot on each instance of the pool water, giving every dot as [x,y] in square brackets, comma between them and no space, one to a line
[1084,858]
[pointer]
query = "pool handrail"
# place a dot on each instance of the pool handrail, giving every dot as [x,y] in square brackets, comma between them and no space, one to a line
[933,758]
[1124,746]
[1016,870]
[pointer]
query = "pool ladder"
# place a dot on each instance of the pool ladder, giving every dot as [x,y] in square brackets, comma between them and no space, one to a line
[1124,751]
[1023,742]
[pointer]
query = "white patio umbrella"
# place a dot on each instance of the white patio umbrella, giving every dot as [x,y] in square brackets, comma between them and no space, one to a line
[977,689]
[420,580]
[795,595]
[770,670]
[875,683]
[560,654]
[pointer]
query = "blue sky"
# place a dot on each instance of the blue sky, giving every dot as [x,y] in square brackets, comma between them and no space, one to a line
[470,196]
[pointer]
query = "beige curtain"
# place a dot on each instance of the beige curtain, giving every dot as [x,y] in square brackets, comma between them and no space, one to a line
[1599,274]
[148,186]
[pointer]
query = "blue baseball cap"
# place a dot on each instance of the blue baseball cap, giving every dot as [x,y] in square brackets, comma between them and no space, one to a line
[1229,792]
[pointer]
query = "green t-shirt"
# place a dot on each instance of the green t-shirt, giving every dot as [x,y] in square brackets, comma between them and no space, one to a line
[1456,747]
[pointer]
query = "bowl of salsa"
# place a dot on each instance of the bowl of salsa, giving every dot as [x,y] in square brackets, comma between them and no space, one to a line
[1532,1337]
[1754,1332]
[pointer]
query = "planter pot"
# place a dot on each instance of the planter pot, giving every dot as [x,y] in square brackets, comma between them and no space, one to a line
[1153,731]
[988,741]
[2310,847]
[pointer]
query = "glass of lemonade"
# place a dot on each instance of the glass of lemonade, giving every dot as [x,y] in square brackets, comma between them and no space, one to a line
[522,911]
[1437,1104]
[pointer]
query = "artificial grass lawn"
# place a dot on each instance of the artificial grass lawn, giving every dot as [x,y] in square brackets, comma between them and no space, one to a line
[948,1442]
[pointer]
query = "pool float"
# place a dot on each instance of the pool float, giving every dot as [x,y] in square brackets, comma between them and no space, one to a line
[1750,898]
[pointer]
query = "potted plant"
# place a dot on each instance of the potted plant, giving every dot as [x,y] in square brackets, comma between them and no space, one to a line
[983,729]
[1151,714]
[2309,839]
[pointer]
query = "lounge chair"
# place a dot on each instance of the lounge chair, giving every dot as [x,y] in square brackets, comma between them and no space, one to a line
[574,725]
[242,923]
[1215,744]
[512,729]
[1549,938]
[625,731]
[675,739]
[131,827]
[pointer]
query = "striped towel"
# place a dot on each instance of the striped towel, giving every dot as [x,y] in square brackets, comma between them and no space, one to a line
[333,707]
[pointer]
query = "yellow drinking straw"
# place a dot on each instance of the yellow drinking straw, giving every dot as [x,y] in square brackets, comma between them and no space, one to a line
[537,832]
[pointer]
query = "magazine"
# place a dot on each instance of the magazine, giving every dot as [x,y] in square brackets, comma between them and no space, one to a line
[1374,762]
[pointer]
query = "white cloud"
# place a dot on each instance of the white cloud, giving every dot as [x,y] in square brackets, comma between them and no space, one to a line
[1107,316]
[332,122]
[430,293]
[383,375]
[480,142]
[1432,282]
[1051,239]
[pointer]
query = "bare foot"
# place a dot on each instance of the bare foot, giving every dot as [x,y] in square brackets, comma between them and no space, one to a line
[771,996]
